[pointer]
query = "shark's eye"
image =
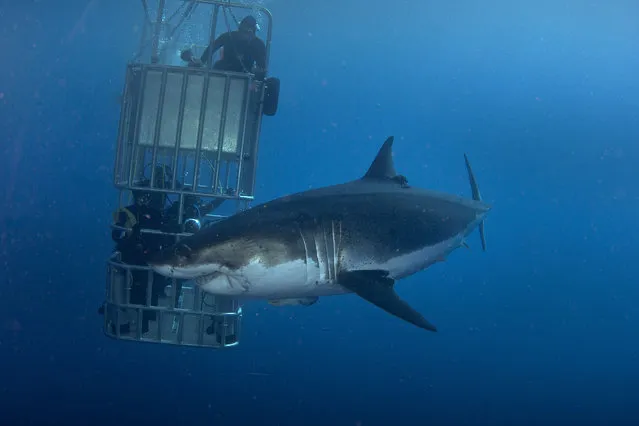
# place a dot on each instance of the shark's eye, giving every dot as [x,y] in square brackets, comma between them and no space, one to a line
[182,250]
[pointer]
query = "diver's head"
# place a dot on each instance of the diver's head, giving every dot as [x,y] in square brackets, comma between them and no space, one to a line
[249,24]
[142,198]
[163,177]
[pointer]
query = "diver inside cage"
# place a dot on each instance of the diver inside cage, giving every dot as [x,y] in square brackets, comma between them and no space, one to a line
[148,211]
[134,247]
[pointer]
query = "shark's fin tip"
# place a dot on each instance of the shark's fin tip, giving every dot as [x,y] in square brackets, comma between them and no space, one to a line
[383,166]
[376,287]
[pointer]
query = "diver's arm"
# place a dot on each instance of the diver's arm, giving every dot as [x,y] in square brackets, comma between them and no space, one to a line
[212,48]
[118,234]
[170,219]
[210,206]
[259,53]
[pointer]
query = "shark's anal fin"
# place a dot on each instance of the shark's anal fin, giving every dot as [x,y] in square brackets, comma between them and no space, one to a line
[375,287]
[298,301]
[477,197]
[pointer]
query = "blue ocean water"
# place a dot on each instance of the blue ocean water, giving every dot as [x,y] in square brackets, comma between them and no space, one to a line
[542,328]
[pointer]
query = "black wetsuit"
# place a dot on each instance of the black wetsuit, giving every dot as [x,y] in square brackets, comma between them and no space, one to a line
[135,249]
[241,49]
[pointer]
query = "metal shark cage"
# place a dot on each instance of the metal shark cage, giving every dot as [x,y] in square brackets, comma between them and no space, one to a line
[188,137]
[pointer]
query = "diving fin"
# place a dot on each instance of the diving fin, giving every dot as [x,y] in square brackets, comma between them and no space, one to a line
[477,197]
[375,287]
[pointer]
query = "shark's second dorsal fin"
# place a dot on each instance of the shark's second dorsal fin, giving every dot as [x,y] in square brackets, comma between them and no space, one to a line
[382,166]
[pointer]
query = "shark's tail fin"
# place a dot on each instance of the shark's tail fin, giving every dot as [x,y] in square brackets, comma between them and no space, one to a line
[477,197]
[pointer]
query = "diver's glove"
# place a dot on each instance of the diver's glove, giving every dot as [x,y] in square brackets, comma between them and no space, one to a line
[136,231]
[187,56]
[260,74]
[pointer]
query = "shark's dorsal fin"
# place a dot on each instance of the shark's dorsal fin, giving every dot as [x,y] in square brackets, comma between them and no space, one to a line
[382,166]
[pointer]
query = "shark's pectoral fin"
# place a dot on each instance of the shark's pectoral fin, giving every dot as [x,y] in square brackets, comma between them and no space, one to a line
[376,287]
[303,301]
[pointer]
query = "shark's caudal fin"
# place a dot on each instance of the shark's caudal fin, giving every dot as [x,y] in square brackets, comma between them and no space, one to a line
[375,287]
[477,197]
[383,166]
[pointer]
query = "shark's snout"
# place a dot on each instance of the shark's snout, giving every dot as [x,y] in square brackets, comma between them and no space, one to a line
[182,262]
[169,263]
[165,270]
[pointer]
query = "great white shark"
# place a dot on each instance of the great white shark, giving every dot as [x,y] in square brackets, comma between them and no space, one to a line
[357,237]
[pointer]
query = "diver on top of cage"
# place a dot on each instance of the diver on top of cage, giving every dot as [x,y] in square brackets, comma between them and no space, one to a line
[242,49]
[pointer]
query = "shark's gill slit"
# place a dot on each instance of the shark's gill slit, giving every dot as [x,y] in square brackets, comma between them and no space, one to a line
[335,250]
[329,271]
[307,257]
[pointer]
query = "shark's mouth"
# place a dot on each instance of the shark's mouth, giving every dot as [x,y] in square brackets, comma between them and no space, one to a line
[203,280]
[211,278]
[223,283]
[184,272]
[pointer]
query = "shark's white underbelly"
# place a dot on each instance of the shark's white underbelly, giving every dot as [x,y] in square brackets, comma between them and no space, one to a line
[316,275]
[406,264]
[292,279]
